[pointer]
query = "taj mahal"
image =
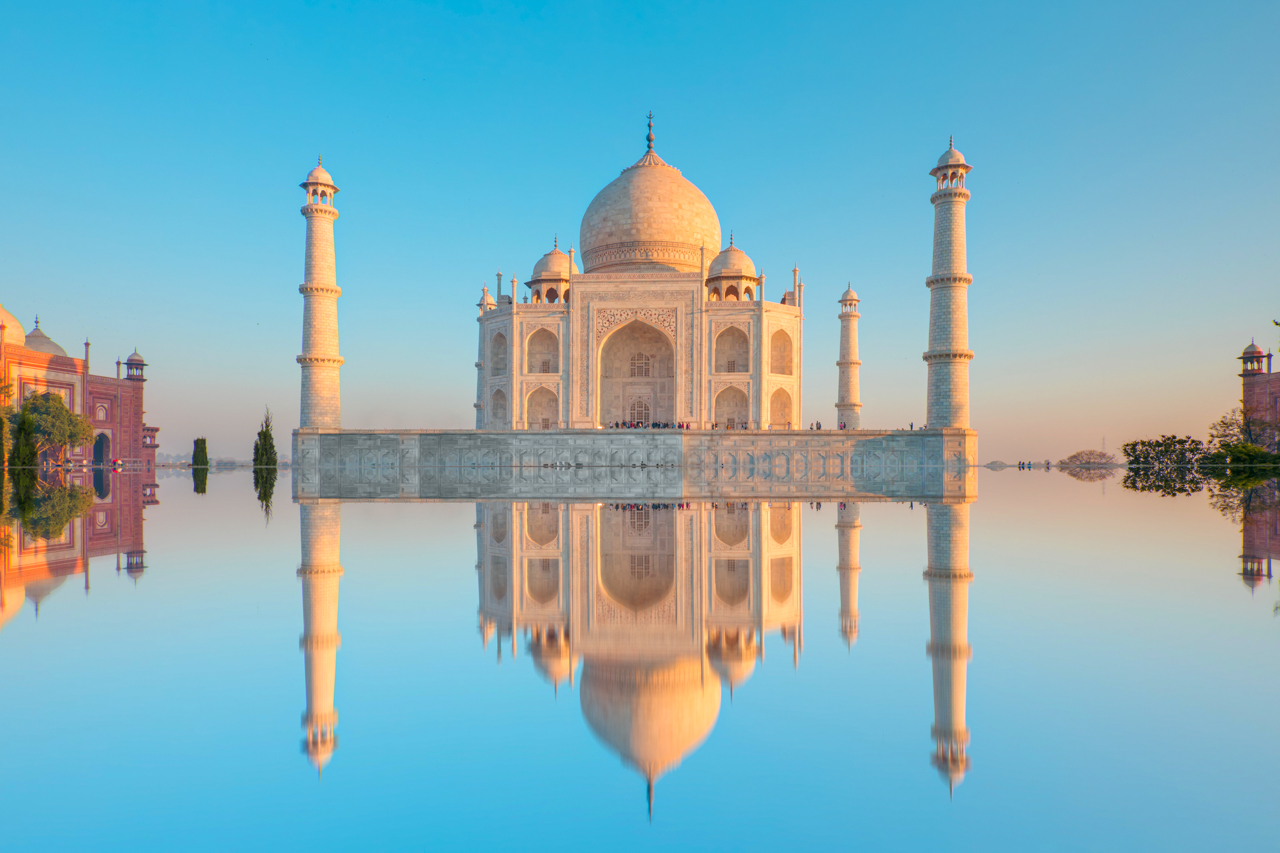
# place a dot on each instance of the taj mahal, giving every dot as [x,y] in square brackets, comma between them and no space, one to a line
[651,321]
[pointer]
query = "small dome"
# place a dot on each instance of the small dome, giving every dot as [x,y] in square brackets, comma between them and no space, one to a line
[319,175]
[951,157]
[849,295]
[40,342]
[732,262]
[554,264]
[14,335]
[1252,350]
[134,359]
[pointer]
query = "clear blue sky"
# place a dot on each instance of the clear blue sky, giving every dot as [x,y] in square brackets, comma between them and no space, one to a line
[1122,228]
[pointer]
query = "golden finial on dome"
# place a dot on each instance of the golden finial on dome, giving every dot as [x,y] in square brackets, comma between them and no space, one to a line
[649,138]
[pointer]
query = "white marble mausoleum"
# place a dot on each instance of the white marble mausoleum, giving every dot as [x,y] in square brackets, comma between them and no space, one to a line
[659,325]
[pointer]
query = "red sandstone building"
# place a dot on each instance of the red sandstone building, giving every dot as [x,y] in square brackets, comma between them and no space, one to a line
[1261,393]
[31,363]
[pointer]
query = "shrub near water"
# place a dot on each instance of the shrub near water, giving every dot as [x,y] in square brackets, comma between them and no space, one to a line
[265,464]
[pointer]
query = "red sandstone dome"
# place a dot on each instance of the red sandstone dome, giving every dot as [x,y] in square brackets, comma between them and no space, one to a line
[1251,350]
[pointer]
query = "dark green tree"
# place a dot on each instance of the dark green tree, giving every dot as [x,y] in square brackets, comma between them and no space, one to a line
[200,454]
[200,479]
[51,426]
[265,464]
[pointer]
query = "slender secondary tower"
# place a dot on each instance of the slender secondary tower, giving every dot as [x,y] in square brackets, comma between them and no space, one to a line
[849,535]
[949,577]
[321,397]
[949,355]
[848,398]
[320,573]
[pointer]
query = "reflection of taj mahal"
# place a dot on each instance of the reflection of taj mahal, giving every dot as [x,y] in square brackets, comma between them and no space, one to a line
[662,606]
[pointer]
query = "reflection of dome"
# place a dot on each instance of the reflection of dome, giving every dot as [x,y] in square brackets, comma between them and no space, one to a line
[732,262]
[320,750]
[553,661]
[653,715]
[38,591]
[40,342]
[733,659]
[649,216]
[951,765]
[13,332]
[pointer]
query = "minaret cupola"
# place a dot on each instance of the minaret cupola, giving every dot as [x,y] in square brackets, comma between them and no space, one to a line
[135,368]
[951,168]
[1252,358]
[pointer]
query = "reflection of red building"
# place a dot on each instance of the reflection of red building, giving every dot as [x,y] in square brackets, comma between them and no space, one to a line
[1261,545]
[32,363]
[33,568]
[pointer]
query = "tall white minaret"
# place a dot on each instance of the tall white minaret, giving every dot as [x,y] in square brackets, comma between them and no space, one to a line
[849,397]
[849,534]
[320,573]
[949,577]
[321,398]
[949,355]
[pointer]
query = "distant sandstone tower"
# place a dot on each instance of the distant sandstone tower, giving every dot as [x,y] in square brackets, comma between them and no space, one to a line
[949,577]
[849,399]
[849,534]
[320,573]
[949,355]
[321,399]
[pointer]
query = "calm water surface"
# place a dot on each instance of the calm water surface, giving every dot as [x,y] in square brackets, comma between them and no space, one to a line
[1090,673]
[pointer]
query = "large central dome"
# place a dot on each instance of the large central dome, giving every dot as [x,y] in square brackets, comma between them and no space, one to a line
[650,219]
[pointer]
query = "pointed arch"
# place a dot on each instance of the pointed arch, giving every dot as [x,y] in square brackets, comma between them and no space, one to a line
[780,354]
[733,351]
[542,410]
[732,409]
[498,417]
[543,352]
[780,409]
[637,364]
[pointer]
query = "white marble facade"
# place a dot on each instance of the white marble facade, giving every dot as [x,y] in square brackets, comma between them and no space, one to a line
[661,325]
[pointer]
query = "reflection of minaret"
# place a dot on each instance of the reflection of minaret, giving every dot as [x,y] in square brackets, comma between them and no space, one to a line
[320,572]
[949,577]
[849,532]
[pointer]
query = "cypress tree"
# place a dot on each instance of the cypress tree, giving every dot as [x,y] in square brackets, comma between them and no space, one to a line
[265,464]
[200,454]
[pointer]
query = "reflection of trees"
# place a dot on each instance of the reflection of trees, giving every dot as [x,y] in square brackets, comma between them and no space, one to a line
[1241,497]
[45,509]
[264,483]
